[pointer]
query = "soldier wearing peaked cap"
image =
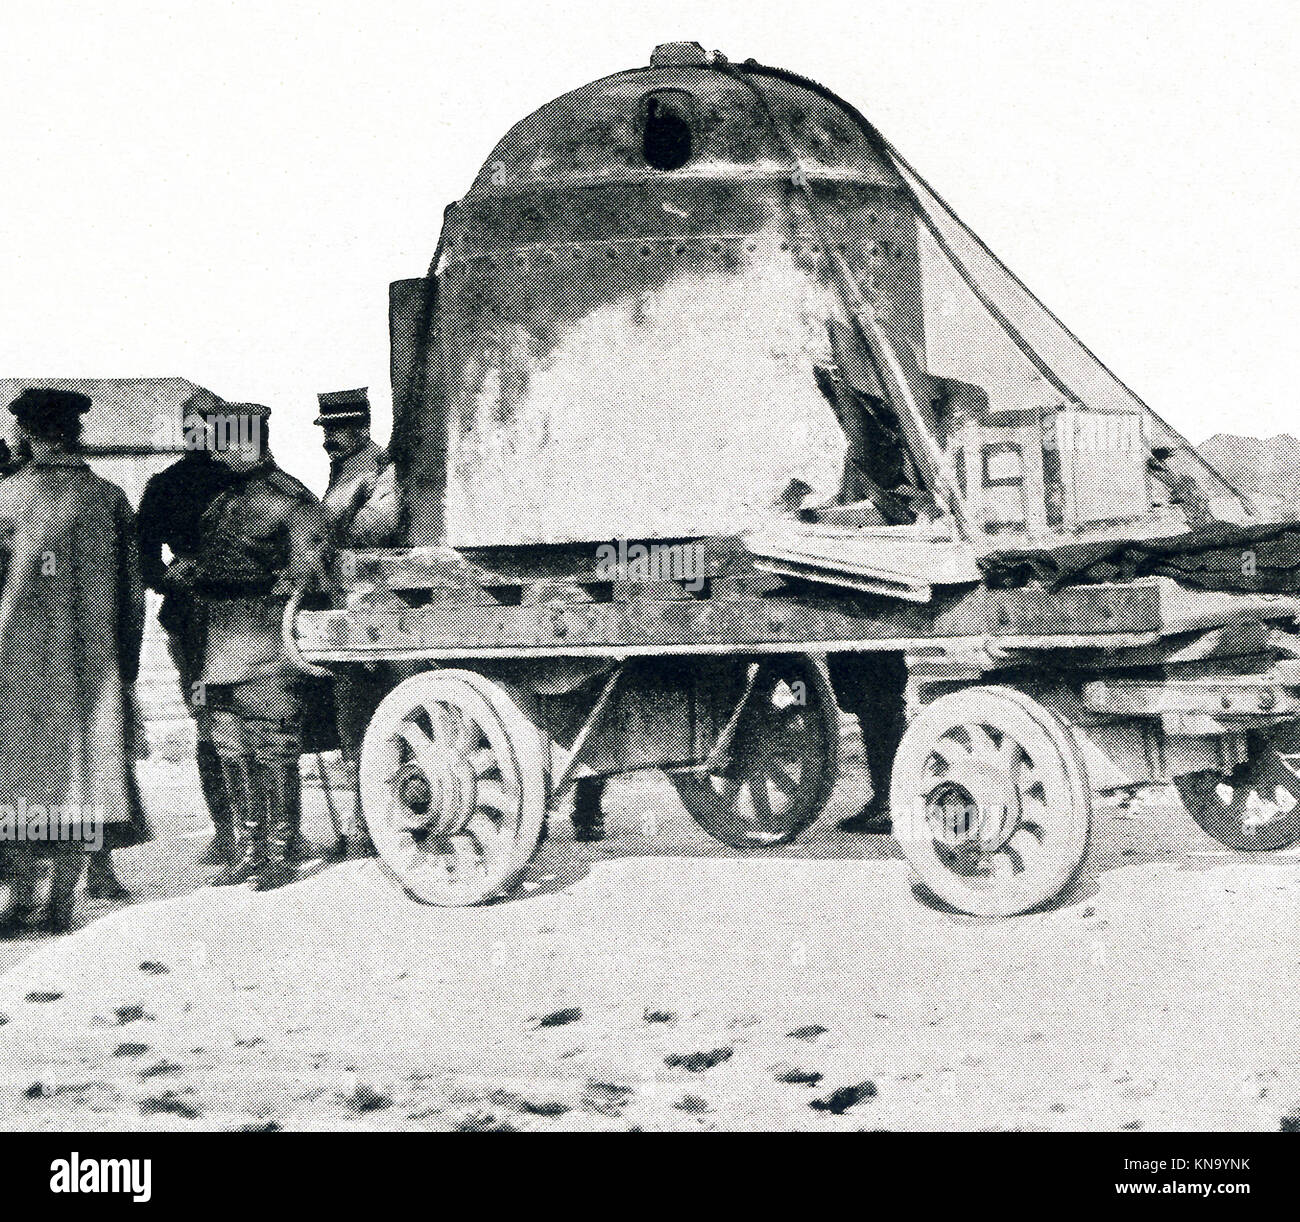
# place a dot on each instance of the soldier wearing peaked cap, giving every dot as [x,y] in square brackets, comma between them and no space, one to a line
[262,538]
[362,505]
[171,509]
[359,499]
[71,626]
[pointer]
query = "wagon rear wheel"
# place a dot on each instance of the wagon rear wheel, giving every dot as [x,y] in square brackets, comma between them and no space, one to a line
[781,766]
[453,786]
[1257,808]
[990,801]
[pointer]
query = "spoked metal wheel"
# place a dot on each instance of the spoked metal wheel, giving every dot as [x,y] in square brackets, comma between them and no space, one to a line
[1257,808]
[780,767]
[453,786]
[990,801]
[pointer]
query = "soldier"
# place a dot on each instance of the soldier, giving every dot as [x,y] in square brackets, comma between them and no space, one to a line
[356,463]
[262,538]
[173,504]
[71,626]
[363,510]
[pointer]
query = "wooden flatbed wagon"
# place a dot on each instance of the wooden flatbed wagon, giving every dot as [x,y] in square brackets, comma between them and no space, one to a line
[671,298]
[534,680]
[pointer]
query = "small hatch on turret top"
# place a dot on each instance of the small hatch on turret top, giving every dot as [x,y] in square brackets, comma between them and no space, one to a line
[679,55]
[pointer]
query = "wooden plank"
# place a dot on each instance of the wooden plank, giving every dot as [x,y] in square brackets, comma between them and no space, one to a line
[908,591]
[423,568]
[1245,644]
[1075,613]
[899,554]
[1078,610]
[655,591]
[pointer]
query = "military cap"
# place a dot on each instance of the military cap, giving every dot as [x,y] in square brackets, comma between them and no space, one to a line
[236,426]
[344,406]
[38,401]
[201,402]
[258,411]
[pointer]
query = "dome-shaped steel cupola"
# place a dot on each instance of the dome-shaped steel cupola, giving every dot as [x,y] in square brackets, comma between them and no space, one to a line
[641,310]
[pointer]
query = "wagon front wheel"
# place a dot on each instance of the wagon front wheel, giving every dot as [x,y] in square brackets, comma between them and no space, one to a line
[780,767]
[453,785]
[990,801]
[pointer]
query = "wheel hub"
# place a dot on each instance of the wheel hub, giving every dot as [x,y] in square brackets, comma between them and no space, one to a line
[415,793]
[461,799]
[419,798]
[952,814]
[975,807]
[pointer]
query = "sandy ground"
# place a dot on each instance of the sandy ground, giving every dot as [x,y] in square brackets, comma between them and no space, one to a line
[662,981]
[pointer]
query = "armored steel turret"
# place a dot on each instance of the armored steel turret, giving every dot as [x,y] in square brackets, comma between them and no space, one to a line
[685,298]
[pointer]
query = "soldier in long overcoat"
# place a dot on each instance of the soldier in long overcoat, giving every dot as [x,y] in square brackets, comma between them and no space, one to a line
[71,626]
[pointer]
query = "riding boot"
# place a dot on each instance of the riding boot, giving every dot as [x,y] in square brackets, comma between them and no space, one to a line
[588,814]
[63,891]
[102,882]
[22,880]
[278,791]
[249,820]
[222,846]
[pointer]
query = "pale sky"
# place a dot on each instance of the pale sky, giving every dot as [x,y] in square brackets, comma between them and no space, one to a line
[223,190]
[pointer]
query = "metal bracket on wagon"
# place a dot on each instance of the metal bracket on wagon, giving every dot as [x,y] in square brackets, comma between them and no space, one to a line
[1271,695]
[290,640]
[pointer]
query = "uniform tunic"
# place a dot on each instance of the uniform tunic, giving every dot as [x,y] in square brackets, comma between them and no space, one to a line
[261,539]
[71,626]
[361,497]
[171,510]
[363,505]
